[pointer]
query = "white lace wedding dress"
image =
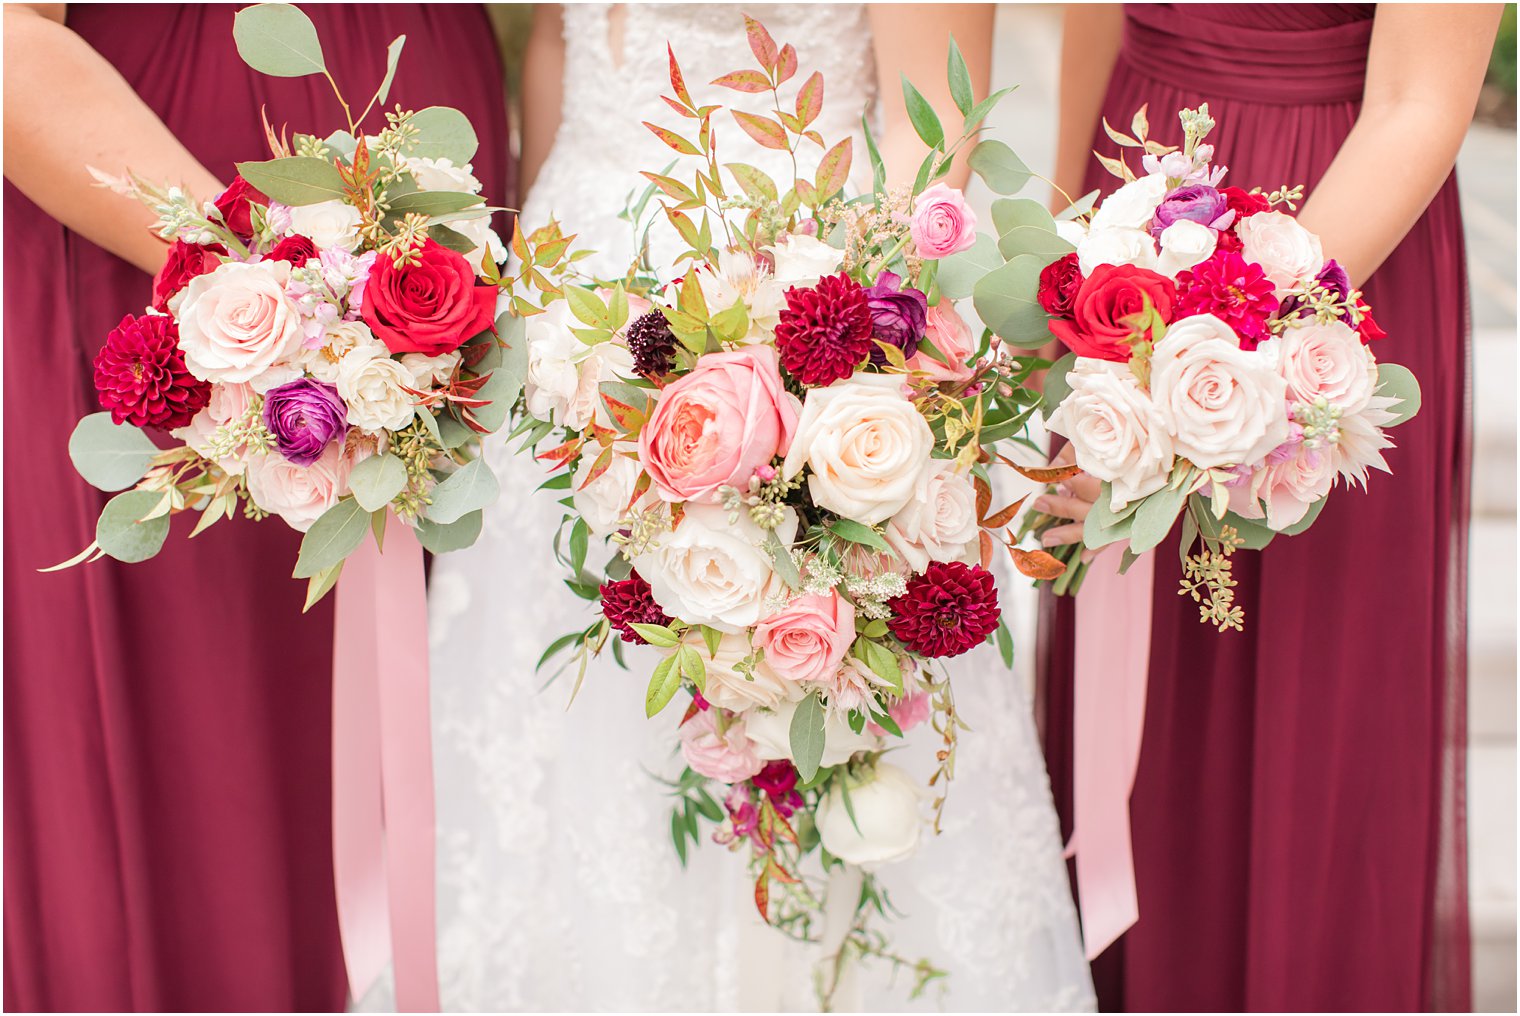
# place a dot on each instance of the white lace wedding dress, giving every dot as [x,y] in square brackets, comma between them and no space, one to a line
[559,887]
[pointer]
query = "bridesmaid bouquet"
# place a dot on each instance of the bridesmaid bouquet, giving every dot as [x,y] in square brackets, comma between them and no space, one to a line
[1221,368]
[786,436]
[322,344]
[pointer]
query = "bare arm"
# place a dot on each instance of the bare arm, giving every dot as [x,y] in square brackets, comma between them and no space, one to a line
[1424,70]
[543,86]
[67,108]
[1090,36]
[914,40]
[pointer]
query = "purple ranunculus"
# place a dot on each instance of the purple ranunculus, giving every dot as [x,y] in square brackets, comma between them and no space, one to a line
[1334,278]
[898,315]
[304,416]
[1197,202]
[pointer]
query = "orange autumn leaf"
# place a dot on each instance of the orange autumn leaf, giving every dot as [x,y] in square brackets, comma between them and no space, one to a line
[1047,474]
[1037,564]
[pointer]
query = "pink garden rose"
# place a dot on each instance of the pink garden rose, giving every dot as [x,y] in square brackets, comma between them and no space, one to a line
[236,324]
[298,494]
[728,757]
[808,640]
[1326,360]
[1289,488]
[942,224]
[717,425]
[949,334]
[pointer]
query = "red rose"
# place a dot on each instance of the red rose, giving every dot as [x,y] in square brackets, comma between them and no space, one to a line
[1228,242]
[1244,204]
[295,249]
[1103,314]
[186,261]
[1368,329]
[429,305]
[235,203]
[1059,283]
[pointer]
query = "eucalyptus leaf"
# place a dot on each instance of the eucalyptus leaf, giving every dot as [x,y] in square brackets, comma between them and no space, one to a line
[1009,213]
[456,535]
[454,240]
[806,736]
[1005,300]
[472,486]
[444,133]
[392,57]
[1002,170]
[453,432]
[332,537]
[110,456]
[433,203]
[1081,206]
[1103,526]
[1035,241]
[297,180]
[959,273]
[1057,387]
[1396,381]
[1254,532]
[121,531]
[376,480]
[1154,518]
[278,40]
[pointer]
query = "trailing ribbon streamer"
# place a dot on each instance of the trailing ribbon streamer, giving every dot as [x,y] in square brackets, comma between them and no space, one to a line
[383,772]
[1112,664]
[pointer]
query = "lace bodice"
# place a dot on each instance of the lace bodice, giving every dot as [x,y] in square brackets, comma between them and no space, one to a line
[558,885]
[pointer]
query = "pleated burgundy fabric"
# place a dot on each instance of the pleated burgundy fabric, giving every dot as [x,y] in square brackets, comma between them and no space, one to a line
[1298,815]
[167,724]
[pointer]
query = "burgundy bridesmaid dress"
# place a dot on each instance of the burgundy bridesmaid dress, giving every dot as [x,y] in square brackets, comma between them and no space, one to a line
[167,724]
[1298,815]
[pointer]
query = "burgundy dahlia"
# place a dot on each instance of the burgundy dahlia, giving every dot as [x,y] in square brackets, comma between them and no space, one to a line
[305,416]
[630,602]
[141,377]
[898,315]
[185,262]
[652,344]
[825,332]
[949,609]
[1234,290]
[295,249]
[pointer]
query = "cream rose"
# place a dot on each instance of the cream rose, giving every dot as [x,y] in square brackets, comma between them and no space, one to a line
[563,383]
[1131,206]
[710,572]
[430,371]
[604,502]
[865,445]
[1222,405]
[1116,245]
[886,823]
[802,260]
[339,339]
[770,730]
[729,688]
[327,224]
[298,494]
[1324,361]
[1116,430]
[373,385]
[1288,253]
[236,324]
[1184,244]
[442,175]
[939,523]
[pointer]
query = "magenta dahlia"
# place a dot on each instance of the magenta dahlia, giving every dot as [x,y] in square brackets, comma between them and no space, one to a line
[1234,290]
[825,332]
[950,608]
[141,377]
[630,602]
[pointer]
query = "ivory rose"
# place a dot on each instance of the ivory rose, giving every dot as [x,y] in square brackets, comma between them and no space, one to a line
[1184,244]
[802,260]
[298,494]
[949,334]
[327,223]
[1222,405]
[1131,206]
[1324,361]
[339,339]
[711,572]
[1115,429]
[770,730]
[882,823]
[236,324]
[865,446]
[939,523]
[807,640]
[728,757]
[942,224]
[374,388]
[1286,251]
[564,374]
[729,688]
[1116,245]
[717,425]
[604,502]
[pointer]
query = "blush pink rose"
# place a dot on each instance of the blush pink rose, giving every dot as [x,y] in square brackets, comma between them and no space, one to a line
[717,425]
[942,224]
[808,640]
[728,757]
[949,334]
[298,494]
[1287,488]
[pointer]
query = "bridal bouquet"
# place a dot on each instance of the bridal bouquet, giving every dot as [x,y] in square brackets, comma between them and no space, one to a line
[322,343]
[1221,368]
[785,435]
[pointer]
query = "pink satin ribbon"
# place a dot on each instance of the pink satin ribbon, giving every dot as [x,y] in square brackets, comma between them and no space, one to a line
[383,772]
[1112,663]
